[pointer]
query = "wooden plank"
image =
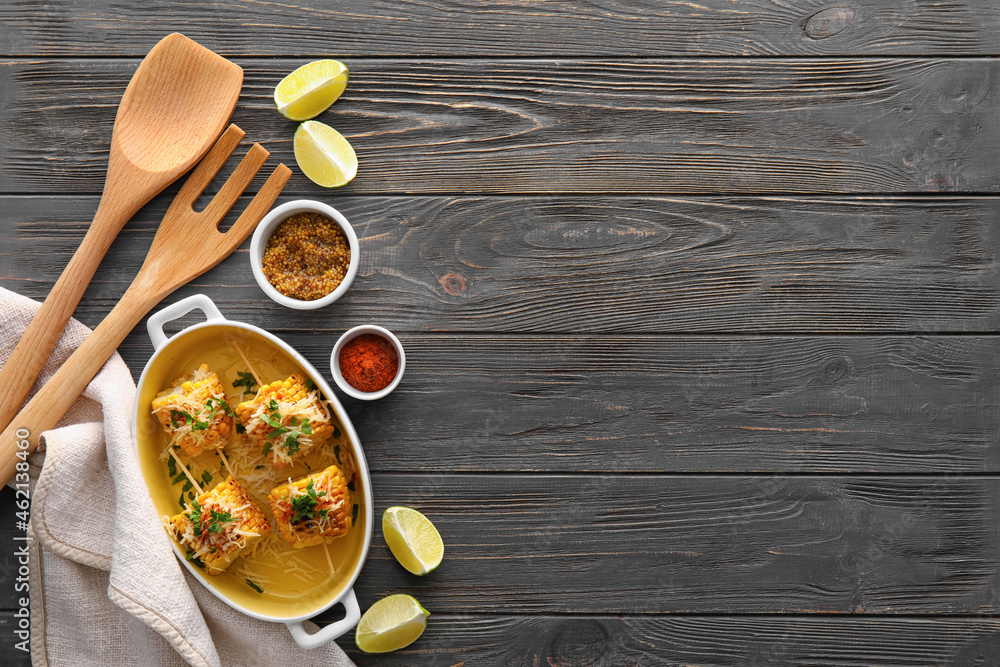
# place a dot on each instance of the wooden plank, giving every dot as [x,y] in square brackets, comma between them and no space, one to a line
[636,545]
[12,657]
[682,404]
[718,126]
[714,641]
[589,264]
[312,28]
[622,544]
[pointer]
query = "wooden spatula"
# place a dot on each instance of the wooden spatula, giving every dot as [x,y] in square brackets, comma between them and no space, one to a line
[186,245]
[176,105]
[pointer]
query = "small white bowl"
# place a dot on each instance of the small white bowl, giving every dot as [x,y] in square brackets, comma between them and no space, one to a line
[267,226]
[338,377]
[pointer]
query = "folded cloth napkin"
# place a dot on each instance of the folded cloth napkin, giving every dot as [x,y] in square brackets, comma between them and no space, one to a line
[105,587]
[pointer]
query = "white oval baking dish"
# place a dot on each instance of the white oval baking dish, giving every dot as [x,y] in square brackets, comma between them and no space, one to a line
[161,357]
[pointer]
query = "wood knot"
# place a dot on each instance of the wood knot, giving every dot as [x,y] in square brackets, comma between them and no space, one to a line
[828,22]
[454,284]
[579,643]
[836,369]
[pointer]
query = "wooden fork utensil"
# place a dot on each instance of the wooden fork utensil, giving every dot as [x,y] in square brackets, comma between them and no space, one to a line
[174,108]
[186,245]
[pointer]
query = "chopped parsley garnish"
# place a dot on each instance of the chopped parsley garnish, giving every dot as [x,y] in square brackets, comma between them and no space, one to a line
[215,404]
[194,559]
[336,431]
[206,477]
[188,418]
[304,506]
[350,485]
[216,519]
[178,477]
[247,381]
[310,385]
[195,517]
[336,452]
[354,513]
[274,419]
[172,468]
[266,450]
[219,518]
[254,586]
[240,428]
[187,486]
[295,429]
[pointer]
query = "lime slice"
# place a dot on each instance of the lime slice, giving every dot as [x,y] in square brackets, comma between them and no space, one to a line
[311,89]
[390,624]
[412,539]
[324,155]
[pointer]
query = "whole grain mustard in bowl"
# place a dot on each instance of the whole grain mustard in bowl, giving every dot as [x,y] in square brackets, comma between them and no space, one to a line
[304,254]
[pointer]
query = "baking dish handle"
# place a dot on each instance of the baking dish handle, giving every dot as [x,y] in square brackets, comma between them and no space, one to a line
[332,631]
[154,325]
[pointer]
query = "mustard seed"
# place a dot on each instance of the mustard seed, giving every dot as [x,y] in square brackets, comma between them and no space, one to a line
[307,256]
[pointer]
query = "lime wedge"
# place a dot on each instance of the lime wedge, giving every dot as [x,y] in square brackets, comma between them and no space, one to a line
[311,89]
[324,155]
[391,624]
[412,539]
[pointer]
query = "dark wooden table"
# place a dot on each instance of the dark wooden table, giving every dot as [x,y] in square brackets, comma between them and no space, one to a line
[700,304]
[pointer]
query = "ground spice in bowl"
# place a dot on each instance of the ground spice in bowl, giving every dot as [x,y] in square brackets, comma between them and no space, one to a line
[306,257]
[369,362]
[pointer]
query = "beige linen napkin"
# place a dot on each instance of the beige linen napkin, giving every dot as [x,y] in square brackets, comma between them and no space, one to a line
[106,588]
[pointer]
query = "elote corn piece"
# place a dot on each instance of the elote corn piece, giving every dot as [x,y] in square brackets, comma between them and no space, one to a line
[314,509]
[194,412]
[286,419]
[219,525]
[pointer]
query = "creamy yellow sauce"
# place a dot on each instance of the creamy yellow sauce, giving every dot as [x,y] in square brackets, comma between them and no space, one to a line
[295,581]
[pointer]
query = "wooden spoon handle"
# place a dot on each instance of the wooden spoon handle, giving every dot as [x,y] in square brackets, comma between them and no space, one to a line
[52,401]
[27,360]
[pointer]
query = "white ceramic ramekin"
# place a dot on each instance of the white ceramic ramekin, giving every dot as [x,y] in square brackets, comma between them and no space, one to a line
[338,377]
[258,243]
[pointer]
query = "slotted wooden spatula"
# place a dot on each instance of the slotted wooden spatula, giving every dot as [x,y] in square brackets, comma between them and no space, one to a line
[174,108]
[186,245]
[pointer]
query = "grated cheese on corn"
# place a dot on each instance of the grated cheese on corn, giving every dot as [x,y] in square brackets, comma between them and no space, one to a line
[286,419]
[314,509]
[209,536]
[194,412]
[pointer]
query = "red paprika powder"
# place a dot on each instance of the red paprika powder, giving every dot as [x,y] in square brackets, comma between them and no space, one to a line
[369,362]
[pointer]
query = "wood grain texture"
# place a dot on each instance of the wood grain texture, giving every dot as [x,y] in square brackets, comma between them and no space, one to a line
[764,641]
[590,264]
[654,404]
[570,126]
[653,544]
[12,657]
[312,28]
[754,641]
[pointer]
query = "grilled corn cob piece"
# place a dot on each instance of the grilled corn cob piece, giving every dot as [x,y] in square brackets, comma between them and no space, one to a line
[194,412]
[219,525]
[286,419]
[314,509]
